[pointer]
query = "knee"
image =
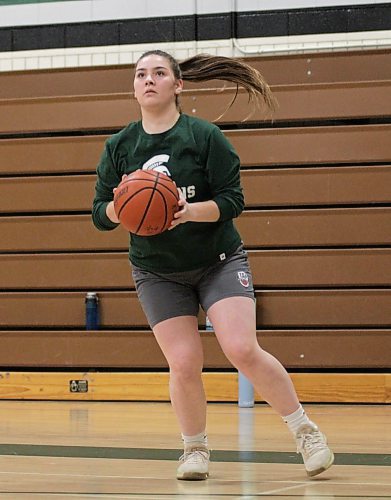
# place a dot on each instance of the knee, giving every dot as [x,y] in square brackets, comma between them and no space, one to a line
[186,368]
[241,354]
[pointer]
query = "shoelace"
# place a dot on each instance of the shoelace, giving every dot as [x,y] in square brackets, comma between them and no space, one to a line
[310,443]
[195,456]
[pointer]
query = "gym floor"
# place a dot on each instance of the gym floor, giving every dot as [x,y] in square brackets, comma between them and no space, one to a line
[127,450]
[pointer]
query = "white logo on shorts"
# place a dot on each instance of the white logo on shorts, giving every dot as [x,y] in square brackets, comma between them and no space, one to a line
[243,278]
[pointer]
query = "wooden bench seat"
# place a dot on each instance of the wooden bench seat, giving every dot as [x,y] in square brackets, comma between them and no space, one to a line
[310,308]
[259,229]
[270,268]
[322,67]
[137,349]
[110,111]
[284,187]
[354,144]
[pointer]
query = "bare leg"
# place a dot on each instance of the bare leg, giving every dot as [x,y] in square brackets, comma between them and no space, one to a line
[235,327]
[180,342]
[234,323]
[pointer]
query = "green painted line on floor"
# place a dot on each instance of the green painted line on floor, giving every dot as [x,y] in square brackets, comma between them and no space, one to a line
[280,457]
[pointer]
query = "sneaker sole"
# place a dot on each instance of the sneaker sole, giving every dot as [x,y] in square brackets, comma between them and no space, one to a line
[312,473]
[194,476]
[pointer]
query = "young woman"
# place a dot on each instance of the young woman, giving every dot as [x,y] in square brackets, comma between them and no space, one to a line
[200,260]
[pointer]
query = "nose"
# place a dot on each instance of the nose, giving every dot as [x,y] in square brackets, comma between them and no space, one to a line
[149,80]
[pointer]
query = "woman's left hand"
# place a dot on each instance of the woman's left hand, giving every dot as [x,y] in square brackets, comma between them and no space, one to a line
[183,214]
[202,211]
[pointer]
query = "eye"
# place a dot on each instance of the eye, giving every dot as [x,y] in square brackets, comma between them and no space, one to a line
[160,72]
[140,75]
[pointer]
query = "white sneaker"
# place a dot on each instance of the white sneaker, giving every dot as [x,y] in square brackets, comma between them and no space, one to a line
[312,445]
[194,463]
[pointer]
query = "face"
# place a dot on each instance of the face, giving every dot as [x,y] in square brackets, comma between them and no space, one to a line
[154,83]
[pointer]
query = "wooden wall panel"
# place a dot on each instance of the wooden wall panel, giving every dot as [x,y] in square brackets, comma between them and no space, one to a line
[266,187]
[67,310]
[50,154]
[317,186]
[359,308]
[269,228]
[128,385]
[47,194]
[270,268]
[67,113]
[323,227]
[138,349]
[321,268]
[331,144]
[324,308]
[303,102]
[72,232]
[90,112]
[321,67]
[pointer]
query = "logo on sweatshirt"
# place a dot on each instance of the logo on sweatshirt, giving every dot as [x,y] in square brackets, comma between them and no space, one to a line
[158,163]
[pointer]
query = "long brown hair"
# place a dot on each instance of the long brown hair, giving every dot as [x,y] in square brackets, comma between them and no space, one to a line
[204,67]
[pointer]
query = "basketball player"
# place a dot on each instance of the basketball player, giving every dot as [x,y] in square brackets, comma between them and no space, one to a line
[200,260]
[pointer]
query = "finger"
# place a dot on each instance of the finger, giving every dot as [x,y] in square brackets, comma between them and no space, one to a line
[181,197]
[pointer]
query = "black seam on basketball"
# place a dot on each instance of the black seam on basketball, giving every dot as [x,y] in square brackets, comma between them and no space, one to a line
[154,182]
[148,205]
[167,188]
[160,181]
[130,197]
[165,209]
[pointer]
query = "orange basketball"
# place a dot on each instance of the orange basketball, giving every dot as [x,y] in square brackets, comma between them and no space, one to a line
[145,202]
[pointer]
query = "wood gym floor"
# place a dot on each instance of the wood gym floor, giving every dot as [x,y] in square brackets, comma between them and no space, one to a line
[128,450]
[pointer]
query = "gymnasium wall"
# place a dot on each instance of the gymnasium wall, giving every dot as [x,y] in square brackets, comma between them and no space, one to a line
[317,223]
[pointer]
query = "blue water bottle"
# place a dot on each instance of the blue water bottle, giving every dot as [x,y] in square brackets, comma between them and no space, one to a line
[208,324]
[92,311]
[246,392]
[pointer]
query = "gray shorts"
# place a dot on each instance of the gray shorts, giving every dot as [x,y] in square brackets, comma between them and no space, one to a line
[165,296]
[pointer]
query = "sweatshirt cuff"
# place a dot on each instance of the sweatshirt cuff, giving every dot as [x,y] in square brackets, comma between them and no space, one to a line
[103,222]
[225,207]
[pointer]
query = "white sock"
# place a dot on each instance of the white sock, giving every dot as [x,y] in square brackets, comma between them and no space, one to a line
[200,438]
[296,419]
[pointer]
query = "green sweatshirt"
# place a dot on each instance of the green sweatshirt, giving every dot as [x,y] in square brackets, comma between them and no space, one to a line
[204,166]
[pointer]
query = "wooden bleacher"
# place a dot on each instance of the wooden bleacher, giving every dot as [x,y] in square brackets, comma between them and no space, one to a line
[317,226]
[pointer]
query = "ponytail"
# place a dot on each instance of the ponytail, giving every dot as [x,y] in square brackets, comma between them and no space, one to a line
[204,67]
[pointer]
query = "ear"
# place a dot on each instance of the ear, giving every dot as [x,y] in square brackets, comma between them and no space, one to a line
[178,86]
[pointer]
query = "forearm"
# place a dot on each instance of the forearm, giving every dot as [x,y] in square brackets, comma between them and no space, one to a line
[110,212]
[203,211]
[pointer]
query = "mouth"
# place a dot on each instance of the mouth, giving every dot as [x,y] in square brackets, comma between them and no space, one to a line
[150,91]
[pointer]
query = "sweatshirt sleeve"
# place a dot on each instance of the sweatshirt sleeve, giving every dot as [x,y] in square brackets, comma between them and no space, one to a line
[107,179]
[223,171]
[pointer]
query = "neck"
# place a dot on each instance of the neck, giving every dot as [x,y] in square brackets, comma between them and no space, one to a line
[156,122]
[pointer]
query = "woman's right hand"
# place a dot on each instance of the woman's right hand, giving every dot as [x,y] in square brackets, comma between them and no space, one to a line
[110,212]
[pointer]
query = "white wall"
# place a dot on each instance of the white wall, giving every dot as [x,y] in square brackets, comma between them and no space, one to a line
[99,10]
[85,10]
